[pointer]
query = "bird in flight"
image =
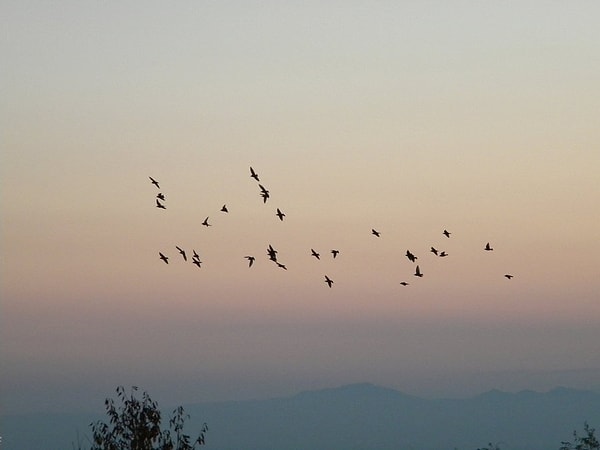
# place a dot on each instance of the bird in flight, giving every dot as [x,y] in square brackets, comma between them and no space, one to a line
[280,214]
[418,272]
[335,253]
[446,233]
[164,258]
[272,253]
[404,283]
[160,205]
[410,256]
[264,193]
[315,254]
[281,266]
[509,276]
[160,196]
[328,280]
[250,260]
[182,252]
[205,223]
[253,174]
[375,232]
[154,182]
[488,248]
[195,255]
[442,254]
[198,263]
[434,251]
[224,209]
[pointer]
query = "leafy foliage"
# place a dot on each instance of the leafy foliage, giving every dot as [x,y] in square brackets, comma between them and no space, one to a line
[135,424]
[586,442]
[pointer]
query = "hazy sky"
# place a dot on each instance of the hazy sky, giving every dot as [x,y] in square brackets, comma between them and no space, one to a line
[408,117]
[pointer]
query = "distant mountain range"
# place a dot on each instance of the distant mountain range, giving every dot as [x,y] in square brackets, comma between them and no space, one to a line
[358,416]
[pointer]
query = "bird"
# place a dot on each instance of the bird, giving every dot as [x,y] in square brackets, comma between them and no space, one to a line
[446,233]
[410,256]
[272,253]
[335,253]
[253,174]
[509,276]
[375,232]
[281,266]
[154,182]
[224,209]
[434,251]
[488,248]
[205,223]
[160,196]
[404,283]
[197,262]
[418,272]
[441,255]
[328,280]
[250,260]
[315,254]
[195,255]
[280,214]
[164,258]
[264,193]
[160,205]
[182,251]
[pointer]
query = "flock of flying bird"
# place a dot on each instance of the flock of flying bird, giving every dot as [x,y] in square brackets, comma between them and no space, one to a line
[272,253]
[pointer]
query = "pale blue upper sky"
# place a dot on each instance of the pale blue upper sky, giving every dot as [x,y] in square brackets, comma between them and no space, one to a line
[407,117]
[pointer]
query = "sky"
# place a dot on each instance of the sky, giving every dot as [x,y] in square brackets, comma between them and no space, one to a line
[481,118]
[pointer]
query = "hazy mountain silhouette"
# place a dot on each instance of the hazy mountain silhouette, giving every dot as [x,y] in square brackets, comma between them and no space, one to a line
[357,416]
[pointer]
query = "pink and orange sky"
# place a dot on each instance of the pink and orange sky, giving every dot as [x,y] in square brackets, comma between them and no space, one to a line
[410,118]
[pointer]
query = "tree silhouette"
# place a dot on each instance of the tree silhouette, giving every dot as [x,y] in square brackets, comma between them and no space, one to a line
[135,424]
[586,442]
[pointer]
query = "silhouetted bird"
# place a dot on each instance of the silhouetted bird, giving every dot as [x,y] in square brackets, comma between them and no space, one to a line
[164,258]
[253,174]
[250,260]
[488,248]
[224,209]
[281,266]
[182,253]
[264,193]
[205,223]
[328,280]
[198,263]
[272,253]
[315,254]
[446,233]
[195,255]
[434,251]
[375,232]
[160,196]
[410,256]
[280,214]
[154,182]
[160,205]
[335,253]
[418,272]
[443,254]
[404,283]
[509,276]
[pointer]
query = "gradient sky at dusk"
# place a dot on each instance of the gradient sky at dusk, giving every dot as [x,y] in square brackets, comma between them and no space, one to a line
[482,118]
